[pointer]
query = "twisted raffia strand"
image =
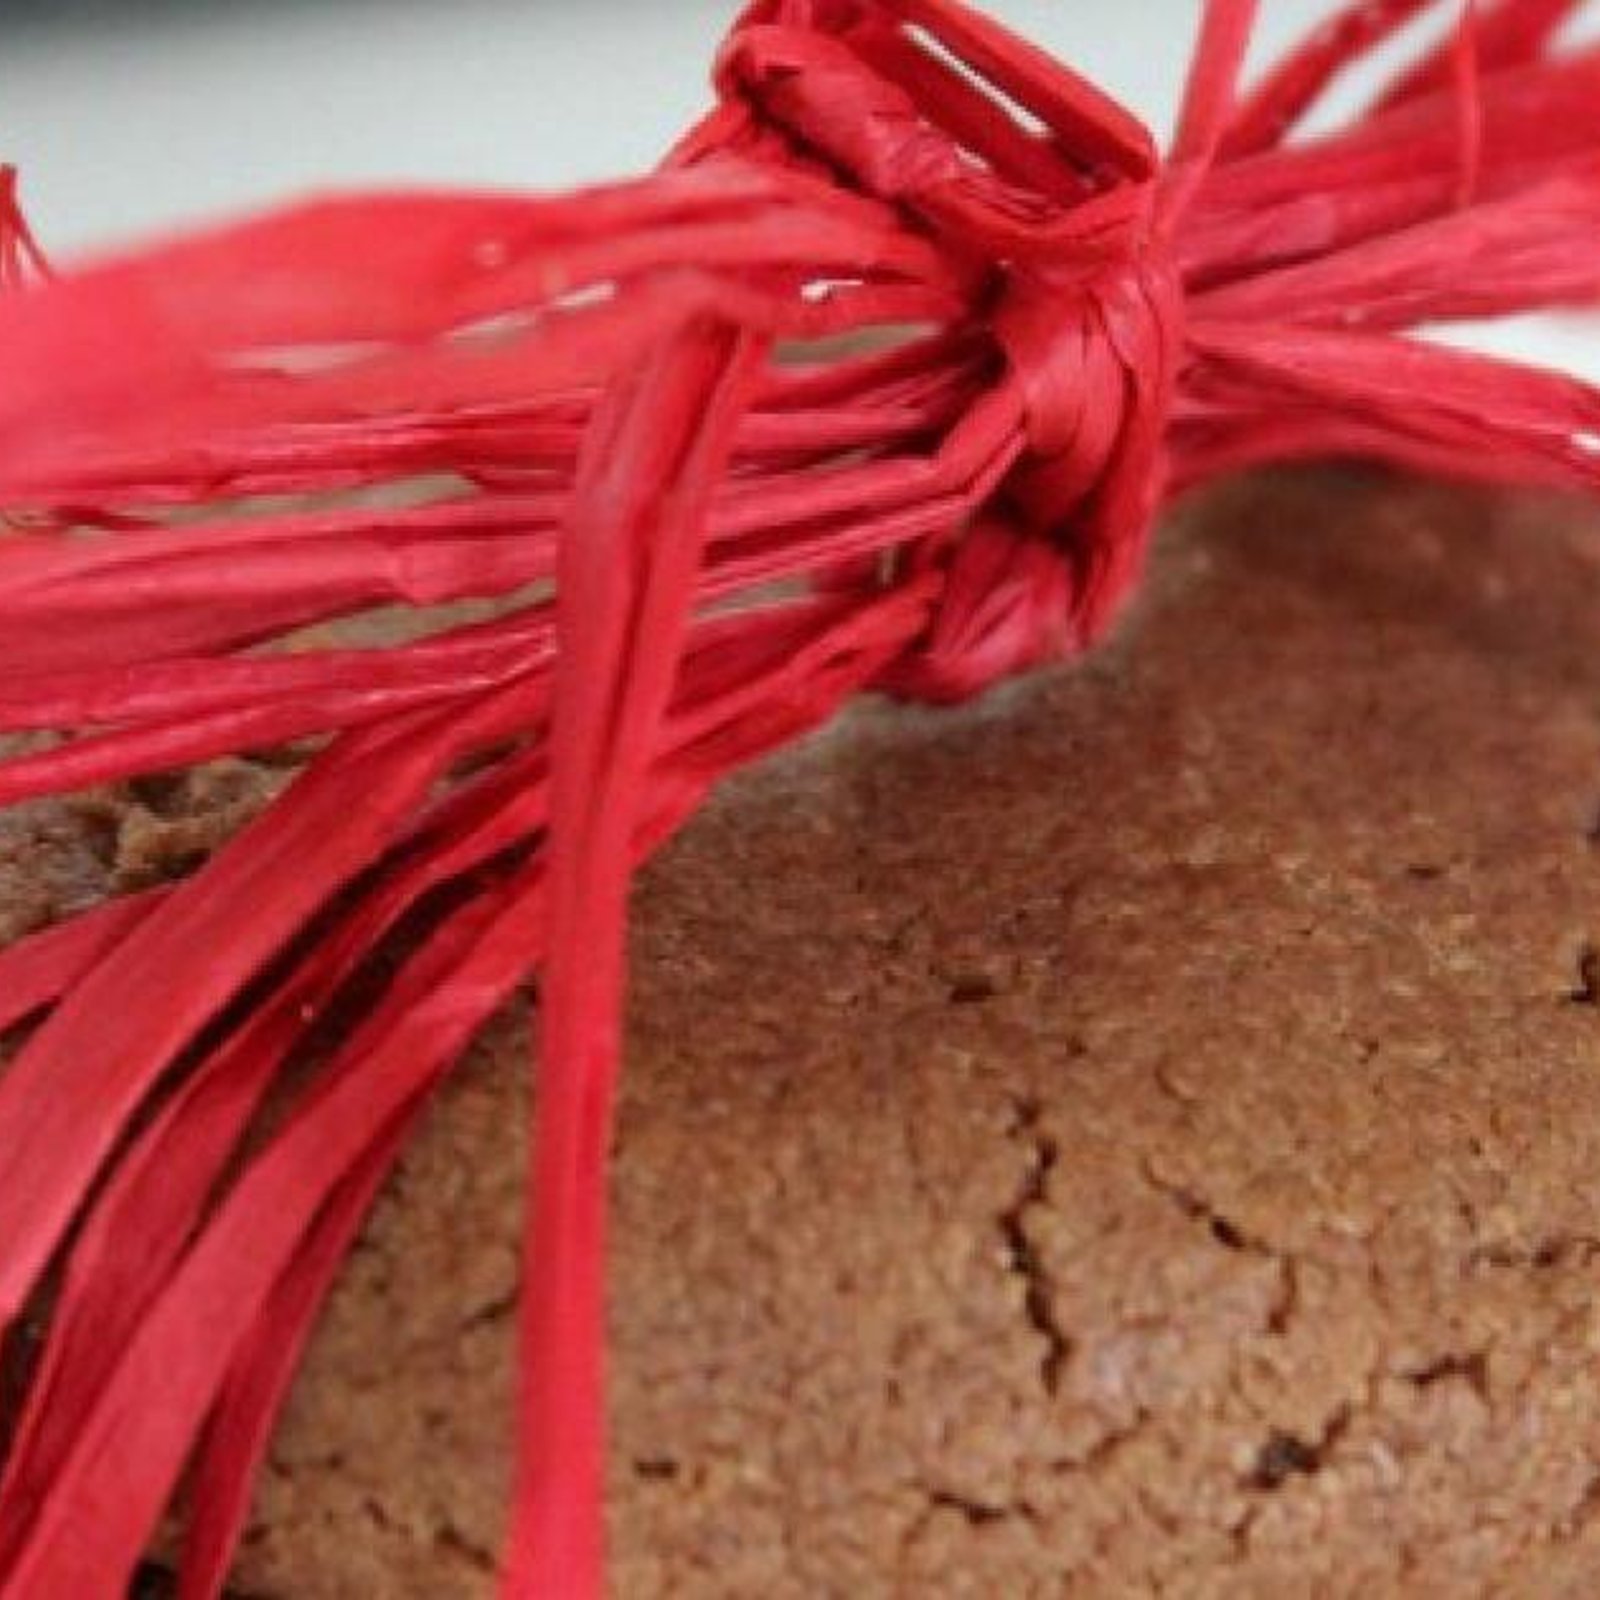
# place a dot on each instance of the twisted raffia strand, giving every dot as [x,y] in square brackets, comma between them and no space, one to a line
[631,418]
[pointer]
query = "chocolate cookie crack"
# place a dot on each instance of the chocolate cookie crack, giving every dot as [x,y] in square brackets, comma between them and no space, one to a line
[1284,1454]
[977,1513]
[1022,1252]
[1470,1367]
[1231,1236]
[1585,990]
[454,1542]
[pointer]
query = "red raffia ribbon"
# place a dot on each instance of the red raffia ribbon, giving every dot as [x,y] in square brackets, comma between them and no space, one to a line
[630,416]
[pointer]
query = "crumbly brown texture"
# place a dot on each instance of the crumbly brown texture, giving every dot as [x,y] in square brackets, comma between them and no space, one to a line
[56,858]
[1138,1136]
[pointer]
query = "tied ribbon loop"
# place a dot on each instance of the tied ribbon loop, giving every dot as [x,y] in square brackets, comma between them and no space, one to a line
[1074,281]
[21,259]
[1042,570]
[1094,362]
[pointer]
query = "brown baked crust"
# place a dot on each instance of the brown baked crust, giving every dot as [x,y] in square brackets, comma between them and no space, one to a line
[1135,1136]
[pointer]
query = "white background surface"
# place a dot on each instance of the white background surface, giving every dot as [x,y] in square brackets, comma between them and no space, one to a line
[131,119]
[134,117]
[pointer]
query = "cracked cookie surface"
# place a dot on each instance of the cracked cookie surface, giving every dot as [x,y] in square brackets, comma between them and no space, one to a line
[1136,1136]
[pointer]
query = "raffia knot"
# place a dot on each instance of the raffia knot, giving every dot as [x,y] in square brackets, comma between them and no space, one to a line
[1088,355]
[1073,278]
[1091,352]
